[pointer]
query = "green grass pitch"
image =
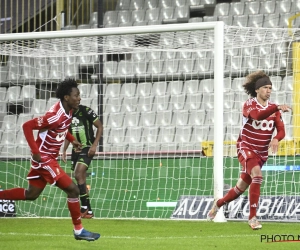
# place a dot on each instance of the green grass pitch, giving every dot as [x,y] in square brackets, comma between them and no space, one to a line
[50,234]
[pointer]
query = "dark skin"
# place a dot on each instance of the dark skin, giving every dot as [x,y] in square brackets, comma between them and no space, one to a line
[69,102]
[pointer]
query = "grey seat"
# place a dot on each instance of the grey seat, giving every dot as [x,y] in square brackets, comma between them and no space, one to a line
[180,117]
[226,19]
[113,90]
[166,134]
[208,101]
[129,104]
[159,88]
[199,134]
[93,19]
[9,123]
[115,120]
[148,119]
[84,89]
[206,86]
[175,87]
[166,39]
[165,3]
[232,133]
[191,86]
[287,84]
[127,41]
[267,7]
[138,15]
[196,20]
[231,118]
[132,119]
[27,68]
[241,20]
[145,103]
[140,71]
[149,138]
[271,20]
[144,89]
[13,94]
[50,102]
[182,13]
[252,8]
[137,5]
[38,106]
[276,82]
[125,71]
[128,90]
[237,84]
[197,117]
[14,68]
[256,20]
[193,101]
[133,138]
[28,93]
[3,73]
[166,14]
[56,69]
[204,67]
[228,100]
[117,135]
[236,8]
[161,103]
[110,70]
[123,5]
[163,118]
[113,105]
[187,69]
[152,15]
[177,102]
[150,4]
[209,117]
[222,9]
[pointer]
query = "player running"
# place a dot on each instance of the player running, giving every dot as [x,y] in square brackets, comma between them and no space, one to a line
[82,129]
[53,130]
[260,118]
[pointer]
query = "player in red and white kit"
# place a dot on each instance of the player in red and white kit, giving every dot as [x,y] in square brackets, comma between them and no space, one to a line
[260,118]
[53,130]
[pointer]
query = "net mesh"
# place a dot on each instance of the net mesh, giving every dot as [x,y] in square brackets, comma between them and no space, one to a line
[157,94]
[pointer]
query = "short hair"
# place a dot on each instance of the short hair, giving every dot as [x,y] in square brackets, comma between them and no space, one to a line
[65,88]
[251,79]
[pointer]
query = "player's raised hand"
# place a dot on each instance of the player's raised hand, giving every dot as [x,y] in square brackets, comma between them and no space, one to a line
[64,157]
[284,107]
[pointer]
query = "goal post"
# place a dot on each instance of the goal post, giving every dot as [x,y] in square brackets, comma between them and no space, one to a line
[171,101]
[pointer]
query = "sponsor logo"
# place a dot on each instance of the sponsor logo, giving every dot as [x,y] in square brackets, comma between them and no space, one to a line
[60,136]
[284,208]
[40,121]
[75,121]
[7,208]
[271,238]
[263,125]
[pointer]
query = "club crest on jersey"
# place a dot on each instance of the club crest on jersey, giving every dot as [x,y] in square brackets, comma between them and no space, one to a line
[61,136]
[75,121]
[263,125]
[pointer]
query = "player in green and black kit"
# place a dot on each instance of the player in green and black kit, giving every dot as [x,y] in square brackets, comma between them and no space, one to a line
[84,118]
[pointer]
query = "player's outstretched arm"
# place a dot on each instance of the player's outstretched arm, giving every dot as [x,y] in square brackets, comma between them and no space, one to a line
[284,107]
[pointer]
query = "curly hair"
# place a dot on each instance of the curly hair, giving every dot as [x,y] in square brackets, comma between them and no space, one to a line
[65,88]
[251,79]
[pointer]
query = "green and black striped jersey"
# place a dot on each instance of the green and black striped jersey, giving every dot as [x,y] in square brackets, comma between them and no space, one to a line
[82,125]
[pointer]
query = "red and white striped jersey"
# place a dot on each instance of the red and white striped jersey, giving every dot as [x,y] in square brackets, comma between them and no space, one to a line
[53,128]
[256,135]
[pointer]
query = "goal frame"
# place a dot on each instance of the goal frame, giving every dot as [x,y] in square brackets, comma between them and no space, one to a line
[218,28]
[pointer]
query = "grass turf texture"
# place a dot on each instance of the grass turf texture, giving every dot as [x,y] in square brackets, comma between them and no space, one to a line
[46,234]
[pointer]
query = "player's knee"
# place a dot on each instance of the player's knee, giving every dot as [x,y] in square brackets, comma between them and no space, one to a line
[73,191]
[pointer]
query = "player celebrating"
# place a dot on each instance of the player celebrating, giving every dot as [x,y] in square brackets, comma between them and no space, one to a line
[53,129]
[82,128]
[260,118]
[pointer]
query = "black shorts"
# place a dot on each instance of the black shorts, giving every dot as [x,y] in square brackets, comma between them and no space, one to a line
[81,157]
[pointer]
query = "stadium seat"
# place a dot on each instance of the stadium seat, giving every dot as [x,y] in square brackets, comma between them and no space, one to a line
[51,101]
[39,106]
[177,102]
[110,70]
[123,5]
[42,67]
[140,70]
[14,68]
[28,93]
[84,89]
[137,5]
[240,99]
[271,20]
[197,117]
[128,90]
[232,118]
[115,120]
[232,133]
[23,150]
[3,91]
[222,9]
[133,135]
[276,82]
[206,86]
[28,70]
[226,19]
[166,39]
[110,17]
[237,84]
[117,135]
[289,99]
[287,84]
[113,105]
[152,15]
[86,102]
[23,117]
[175,87]
[295,7]
[208,101]
[132,119]
[236,66]
[149,138]
[283,6]
[144,89]
[204,66]
[148,119]
[84,26]
[56,69]
[159,88]
[125,71]
[166,14]
[93,19]
[228,100]
[155,70]
[9,123]
[252,8]
[145,103]
[236,8]
[154,55]
[279,97]
[138,15]
[193,101]
[150,4]
[13,94]
[3,73]
[199,134]
[168,147]
[267,7]
[166,134]
[129,104]
[241,21]
[163,118]
[182,14]
[256,20]
[111,41]
[227,84]
[210,18]
[113,90]
[161,103]
[127,41]
[180,117]
[191,86]
[209,117]
[187,69]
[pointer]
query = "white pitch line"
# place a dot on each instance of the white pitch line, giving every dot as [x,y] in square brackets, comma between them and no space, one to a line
[136,237]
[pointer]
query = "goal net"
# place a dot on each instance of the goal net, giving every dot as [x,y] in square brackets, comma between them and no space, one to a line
[170,99]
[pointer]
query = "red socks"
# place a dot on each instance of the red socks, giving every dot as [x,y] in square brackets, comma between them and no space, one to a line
[254,193]
[230,196]
[13,194]
[74,208]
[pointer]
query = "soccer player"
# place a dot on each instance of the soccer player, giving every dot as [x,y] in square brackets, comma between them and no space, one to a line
[260,118]
[52,131]
[82,129]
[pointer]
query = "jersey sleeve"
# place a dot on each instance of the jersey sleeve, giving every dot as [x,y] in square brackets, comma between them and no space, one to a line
[91,115]
[279,127]
[250,111]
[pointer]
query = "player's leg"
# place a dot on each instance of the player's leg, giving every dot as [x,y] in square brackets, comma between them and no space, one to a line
[35,188]
[241,186]
[81,167]
[70,188]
